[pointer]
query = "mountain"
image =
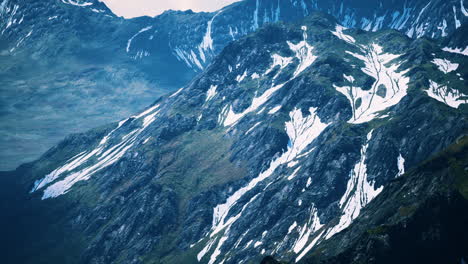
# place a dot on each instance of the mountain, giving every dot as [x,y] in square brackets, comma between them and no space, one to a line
[276,147]
[210,34]
[417,218]
[200,37]
[70,65]
[64,70]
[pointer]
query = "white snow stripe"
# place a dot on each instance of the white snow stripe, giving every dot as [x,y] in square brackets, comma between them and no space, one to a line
[129,42]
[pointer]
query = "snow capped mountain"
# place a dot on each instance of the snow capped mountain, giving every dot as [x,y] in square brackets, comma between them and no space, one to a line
[153,55]
[415,18]
[274,149]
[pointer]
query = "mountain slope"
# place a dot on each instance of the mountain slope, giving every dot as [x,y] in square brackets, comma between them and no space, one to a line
[294,128]
[64,70]
[59,56]
[418,218]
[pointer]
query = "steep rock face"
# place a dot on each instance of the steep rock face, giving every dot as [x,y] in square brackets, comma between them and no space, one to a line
[62,55]
[417,218]
[293,129]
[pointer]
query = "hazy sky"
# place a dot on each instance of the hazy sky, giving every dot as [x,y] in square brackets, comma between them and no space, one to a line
[135,8]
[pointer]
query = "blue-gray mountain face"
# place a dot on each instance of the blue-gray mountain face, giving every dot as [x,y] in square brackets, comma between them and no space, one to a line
[274,149]
[68,66]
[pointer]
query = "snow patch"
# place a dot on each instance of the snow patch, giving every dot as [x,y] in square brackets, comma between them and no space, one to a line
[310,246]
[146,112]
[462,8]
[188,57]
[97,10]
[349,78]
[240,78]
[457,50]
[401,165]
[232,118]
[211,93]
[274,110]
[176,93]
[91,162]
[389,88]
[457,22]
[445,65]
[309,182]
[205,250]
[278,61]
[207,43]
[292,227]
[252,128]
[309,228]
[339,33]
[303,52]
[129,42]
[146,140]
[359,192]
[443,27]
[446,95]
[293,175]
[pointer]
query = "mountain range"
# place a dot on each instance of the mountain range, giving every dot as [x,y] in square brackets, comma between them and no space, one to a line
[71,65]
[314,139]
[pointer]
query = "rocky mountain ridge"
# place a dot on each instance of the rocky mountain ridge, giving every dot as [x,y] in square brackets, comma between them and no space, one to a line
[294,128]
[60,55]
